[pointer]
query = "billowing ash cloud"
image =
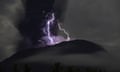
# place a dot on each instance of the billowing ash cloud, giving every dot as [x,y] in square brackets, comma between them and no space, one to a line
[50,38]
[10,13]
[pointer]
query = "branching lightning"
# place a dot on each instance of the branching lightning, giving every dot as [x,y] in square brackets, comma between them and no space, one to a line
[51,39]
[65,32]
[48,29]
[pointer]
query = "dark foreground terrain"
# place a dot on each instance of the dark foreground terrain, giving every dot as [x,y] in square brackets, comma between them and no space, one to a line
[72,56]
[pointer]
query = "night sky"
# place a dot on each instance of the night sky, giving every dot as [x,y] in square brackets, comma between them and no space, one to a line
[35,13]
[93,20]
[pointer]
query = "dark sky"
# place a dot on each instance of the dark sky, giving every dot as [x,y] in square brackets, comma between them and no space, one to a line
[34,16]
[94,20]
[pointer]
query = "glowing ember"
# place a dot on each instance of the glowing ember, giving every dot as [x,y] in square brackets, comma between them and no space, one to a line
[51,39]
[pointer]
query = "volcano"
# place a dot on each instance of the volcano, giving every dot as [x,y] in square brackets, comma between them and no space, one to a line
[64,48]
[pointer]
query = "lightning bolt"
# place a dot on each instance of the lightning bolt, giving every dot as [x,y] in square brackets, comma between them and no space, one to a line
[51,39]
[64,31]
[49,22]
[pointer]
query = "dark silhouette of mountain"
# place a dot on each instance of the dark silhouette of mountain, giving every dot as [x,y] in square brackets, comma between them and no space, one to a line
[80,47]
[64,48]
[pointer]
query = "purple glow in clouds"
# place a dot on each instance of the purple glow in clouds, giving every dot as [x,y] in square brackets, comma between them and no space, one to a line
[51,21]
[49,38]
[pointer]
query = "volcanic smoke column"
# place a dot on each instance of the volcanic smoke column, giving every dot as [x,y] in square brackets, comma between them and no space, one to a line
[49,37]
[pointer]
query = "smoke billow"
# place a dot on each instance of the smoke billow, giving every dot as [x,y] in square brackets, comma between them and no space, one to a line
[11,12]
